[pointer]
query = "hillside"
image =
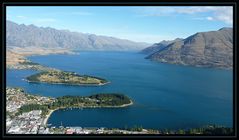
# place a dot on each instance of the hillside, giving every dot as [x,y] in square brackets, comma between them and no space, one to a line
[158,46]
[205,49]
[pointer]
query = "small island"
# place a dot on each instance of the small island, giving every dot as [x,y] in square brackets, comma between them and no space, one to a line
[64,77]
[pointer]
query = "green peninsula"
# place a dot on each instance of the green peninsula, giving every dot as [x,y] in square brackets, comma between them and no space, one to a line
[64,77]
[102,100]
[97,100]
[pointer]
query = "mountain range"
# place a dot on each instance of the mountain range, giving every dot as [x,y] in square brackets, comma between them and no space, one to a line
[31,36]
[205,49]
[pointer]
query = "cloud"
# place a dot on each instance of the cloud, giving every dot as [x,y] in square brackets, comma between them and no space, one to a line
[44,20]
[9,16]
[224,14]
[21,17]
[217,13]
[81,13]
[209,18]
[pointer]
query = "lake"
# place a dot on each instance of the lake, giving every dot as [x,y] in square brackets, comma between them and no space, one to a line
[164,95]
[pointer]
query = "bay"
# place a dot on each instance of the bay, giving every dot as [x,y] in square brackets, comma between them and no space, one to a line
[164,95]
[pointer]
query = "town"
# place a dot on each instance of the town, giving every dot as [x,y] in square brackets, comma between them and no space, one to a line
[34,122]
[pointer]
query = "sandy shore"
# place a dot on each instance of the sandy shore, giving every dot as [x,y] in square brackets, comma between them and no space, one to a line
[124,105]
[51,111]
[131,103]
[47,117]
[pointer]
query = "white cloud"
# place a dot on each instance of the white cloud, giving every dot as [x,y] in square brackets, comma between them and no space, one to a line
[224,14]
[21,17]
[44,20]
[81,13]
[199,18]
[209,18]
[217,13]
[9,17]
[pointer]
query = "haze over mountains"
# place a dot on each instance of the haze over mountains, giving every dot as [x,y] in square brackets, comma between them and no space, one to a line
[206,49]
[30,36]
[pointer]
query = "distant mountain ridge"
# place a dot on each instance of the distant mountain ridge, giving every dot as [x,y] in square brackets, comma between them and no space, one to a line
[158,46]
[46,37]
[205,49]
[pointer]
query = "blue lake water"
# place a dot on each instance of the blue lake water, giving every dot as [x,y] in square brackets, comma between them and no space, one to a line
[164,95]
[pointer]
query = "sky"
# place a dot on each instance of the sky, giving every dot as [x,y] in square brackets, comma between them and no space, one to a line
[149,24]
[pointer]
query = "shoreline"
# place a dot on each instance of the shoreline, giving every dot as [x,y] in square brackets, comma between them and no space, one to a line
[47,117]
[68,84]
[25,56]
[52,110]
